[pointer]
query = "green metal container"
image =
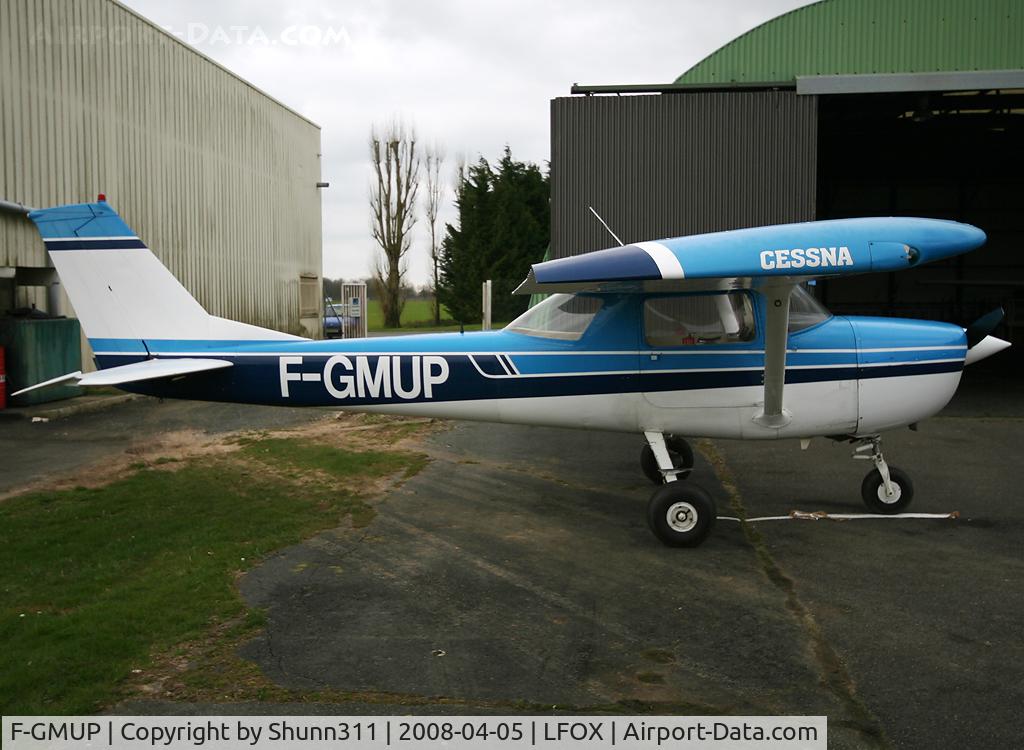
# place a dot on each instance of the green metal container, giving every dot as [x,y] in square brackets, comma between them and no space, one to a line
[39,350]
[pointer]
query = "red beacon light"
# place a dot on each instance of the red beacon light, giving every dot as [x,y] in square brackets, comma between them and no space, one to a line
[102,197]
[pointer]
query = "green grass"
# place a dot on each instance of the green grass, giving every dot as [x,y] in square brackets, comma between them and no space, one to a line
[95,582]
[417,313]
[417,317]
[306,455]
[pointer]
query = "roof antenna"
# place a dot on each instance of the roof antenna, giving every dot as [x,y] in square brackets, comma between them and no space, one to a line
[605,225]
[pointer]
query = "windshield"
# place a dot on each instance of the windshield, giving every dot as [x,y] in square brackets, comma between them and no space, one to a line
[560,316]
[805,311]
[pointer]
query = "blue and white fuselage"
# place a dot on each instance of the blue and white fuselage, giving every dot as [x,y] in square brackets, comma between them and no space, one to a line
[854,375]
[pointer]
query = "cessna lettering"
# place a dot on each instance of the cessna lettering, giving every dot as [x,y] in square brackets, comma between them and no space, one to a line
[370,377]
[812,257]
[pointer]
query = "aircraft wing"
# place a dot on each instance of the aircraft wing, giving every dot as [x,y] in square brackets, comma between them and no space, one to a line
[734,258]
[773,259]
[150,369]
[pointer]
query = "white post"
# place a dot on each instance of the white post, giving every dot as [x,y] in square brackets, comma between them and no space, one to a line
[364,304]
[55,299]
[487,306]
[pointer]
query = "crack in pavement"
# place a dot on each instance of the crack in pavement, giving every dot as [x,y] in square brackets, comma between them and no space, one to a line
[830,664]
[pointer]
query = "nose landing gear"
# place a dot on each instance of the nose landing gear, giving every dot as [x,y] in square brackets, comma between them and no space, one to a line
[886,489]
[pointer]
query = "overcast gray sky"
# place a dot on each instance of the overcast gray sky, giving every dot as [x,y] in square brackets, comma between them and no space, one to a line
[472,75]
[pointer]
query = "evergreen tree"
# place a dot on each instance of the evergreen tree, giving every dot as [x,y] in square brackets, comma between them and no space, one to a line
[503,227]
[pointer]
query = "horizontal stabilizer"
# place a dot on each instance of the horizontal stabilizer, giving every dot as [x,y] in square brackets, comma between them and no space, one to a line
[53,381]
[150,369]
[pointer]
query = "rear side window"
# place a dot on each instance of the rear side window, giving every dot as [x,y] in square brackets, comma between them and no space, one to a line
[698,319]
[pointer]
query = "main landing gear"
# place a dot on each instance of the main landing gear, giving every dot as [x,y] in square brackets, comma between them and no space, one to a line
[680,453]
[681,514]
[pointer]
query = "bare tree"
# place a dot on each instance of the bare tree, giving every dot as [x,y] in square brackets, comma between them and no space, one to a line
[433,161]
[396,165]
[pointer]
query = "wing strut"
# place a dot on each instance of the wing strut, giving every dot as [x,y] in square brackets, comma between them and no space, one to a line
[776,296]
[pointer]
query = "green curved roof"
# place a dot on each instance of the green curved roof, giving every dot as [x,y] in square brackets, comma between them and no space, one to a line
[845,37]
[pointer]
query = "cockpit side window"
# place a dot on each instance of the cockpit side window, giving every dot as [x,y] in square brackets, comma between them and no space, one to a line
[560,316]
[720,318]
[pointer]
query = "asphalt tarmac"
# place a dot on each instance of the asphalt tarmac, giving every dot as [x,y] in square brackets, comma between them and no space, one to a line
[516,573]
[518,567]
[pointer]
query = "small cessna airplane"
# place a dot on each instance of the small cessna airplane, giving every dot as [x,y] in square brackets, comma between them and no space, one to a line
[708,335]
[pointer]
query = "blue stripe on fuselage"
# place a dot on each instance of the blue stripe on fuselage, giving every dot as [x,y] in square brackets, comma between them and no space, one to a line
[496,342]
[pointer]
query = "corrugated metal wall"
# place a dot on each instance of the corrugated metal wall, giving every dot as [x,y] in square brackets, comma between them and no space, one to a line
[216,177]
[872,36]
[674,164]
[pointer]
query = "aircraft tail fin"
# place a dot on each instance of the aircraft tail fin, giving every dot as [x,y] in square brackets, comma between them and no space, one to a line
[120,291]
[117,286]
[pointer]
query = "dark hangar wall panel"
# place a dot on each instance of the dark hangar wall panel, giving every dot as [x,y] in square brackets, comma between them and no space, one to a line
[666,165]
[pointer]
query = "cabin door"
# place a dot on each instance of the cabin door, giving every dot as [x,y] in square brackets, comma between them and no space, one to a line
[696,350]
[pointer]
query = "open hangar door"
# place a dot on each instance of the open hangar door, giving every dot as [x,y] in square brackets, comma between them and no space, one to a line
[943,154]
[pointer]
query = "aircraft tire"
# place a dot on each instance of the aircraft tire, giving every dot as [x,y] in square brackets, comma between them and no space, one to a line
[678,449]
[873,494]
[681,515]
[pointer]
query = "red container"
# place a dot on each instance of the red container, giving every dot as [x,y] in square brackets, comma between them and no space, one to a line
[3,381]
